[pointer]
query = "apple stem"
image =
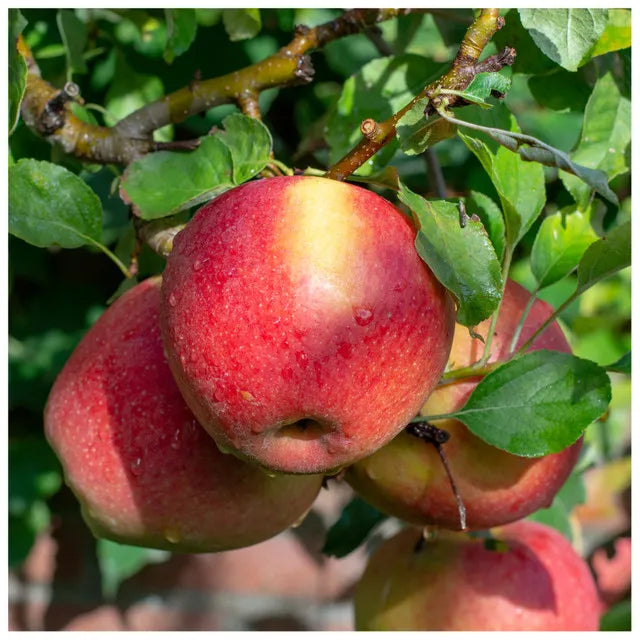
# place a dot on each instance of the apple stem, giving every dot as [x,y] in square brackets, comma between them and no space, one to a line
[428,432]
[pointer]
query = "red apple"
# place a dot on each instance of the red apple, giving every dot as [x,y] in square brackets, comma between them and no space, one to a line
[144,470]
[300,324]
[406,478]
[528,578]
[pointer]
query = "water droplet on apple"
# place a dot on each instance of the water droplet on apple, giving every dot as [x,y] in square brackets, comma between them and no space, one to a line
[136,466]
[173,301]
[172,535]
[362,315]
[176,440]
[400,286]
[197,265]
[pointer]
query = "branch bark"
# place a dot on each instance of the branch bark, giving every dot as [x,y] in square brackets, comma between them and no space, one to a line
[132,136]
[464,68]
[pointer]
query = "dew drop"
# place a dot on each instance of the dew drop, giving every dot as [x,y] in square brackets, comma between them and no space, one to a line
[362,315]
[197,265]
[136,466]
[176,440]
[173,301]
[171,535]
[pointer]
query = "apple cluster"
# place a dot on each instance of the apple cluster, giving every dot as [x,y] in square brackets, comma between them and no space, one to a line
[294,333]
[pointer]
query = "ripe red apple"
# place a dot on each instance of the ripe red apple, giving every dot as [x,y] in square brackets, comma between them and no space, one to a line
[528,578]
[300,324]
[144,470]
[406,478]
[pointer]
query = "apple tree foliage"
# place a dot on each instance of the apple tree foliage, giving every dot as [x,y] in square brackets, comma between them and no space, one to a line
[523,172]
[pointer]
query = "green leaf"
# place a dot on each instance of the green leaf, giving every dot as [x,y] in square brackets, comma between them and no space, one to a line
[181,32]
[163,183]
[560,90]
[489,213]
[241,24]
[560,243]
[17,68]
[49,205]
[130,91]
[616,35]
[34,473]
[538,403]
[463,259]
[606,134]
[623,365]
[380,89]
[557,515]
[617,617]
[415,133]
[120,561]
[356,521]
[250,144]
[208,17]
[520,184]
[74,37]
[565,35]
[605,257]
[483,85]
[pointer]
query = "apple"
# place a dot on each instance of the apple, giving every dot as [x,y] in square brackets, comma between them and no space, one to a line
[144,471]
[407,479]
[527,577]
[301,326]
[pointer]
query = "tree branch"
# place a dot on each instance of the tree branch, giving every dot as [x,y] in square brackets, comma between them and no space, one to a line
[131,137]
[464,68]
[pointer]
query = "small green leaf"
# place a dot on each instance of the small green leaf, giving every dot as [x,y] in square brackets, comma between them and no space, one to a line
[483,85]
[120,561]
[208,17]
[17,67]
[181,32]
[356,521]
[415,133]
[74,37]
[250,144]
[163,183]
[241,24]
[463,259]
[606,134]
[519,184]
[49,205]
[616,35]
[623,365]
[565,35]
[489,213]
[605,257]
[538,403]
[560,243]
